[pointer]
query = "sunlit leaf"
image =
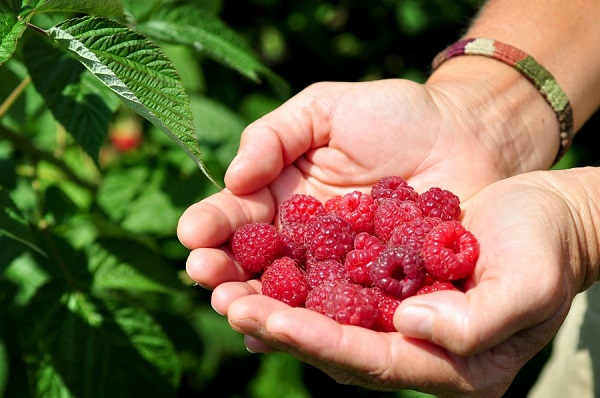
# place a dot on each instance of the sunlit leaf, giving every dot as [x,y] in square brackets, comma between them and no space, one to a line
[137,71]
[104,7]
[12,27]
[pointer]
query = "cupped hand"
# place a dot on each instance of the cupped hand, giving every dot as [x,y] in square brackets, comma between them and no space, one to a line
[336,137]
[449,343]
[333,138]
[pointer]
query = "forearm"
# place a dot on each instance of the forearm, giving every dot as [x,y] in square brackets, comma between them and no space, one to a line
[563,37]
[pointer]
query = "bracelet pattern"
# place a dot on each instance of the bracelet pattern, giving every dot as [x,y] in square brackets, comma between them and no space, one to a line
[539,76]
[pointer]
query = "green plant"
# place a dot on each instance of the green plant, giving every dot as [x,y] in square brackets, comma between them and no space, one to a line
[92,293]
[94,299]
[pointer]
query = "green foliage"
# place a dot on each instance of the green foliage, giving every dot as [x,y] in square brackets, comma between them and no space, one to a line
[91,188]
[117,115]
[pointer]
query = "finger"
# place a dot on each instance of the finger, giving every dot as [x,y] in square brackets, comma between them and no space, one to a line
[277,139]
[226,293]
[519,281]
[255,345]
[483,317]
[210,267]
[211,222]
[350,354]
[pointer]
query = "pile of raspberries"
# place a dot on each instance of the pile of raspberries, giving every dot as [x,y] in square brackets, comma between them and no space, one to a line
[355,257]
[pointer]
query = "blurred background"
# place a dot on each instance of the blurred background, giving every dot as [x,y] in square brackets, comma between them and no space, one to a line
[144,182]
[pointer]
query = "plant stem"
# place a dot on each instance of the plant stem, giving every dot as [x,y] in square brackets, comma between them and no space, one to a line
[5,106]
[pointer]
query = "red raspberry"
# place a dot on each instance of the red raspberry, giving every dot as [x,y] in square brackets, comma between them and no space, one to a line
[387,306]
[310,261]
[329,236]
[292,238]
[299,208]
[325,271]
[317,297]
[332,203]
[358,261]
[412,233]
[440,203]
[393,187]
[351,304]
[255,245]
[398,271]
[284,281]
[450,251]
[391,213]
[358,209]
[437,286]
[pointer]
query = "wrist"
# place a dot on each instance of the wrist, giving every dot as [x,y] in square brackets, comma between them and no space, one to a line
[511,116]
[571,204]
[578,186]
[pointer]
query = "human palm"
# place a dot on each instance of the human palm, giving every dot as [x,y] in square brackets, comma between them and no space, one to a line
[476,341]
[333,137]
[330,139]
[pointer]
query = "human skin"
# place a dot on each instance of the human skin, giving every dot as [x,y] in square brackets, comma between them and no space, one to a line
[473,111]
[538,249]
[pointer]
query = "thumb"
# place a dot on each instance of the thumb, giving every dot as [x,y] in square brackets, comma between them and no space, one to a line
[276,140]
[260,159]
[472,322]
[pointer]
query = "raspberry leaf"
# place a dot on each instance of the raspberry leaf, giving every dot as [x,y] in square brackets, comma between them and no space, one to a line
[112,340]
[104,7]
[202,30]
[137,71]
[12,26]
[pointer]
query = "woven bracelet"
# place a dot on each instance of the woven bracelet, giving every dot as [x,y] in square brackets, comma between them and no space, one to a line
[528,67]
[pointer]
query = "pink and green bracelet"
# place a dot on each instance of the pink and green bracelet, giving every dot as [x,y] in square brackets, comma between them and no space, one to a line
[539,76]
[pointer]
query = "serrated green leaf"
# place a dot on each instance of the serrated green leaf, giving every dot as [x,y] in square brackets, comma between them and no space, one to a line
[12,27]
[104,7]
[78,101]
[79,346]
[194,26]
[137,71]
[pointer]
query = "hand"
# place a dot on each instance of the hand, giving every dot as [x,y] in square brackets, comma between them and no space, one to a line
[450,343]
[330,139]
[336,137]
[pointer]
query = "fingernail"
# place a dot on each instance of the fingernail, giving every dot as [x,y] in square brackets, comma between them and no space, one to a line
[202,285]
[217,311]
[416,321]
[247,326]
